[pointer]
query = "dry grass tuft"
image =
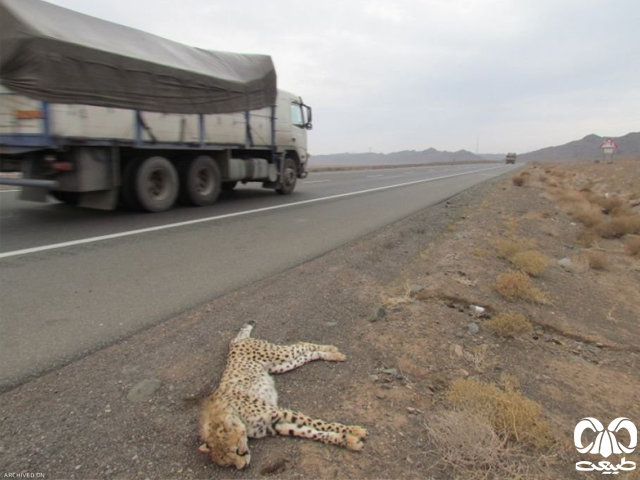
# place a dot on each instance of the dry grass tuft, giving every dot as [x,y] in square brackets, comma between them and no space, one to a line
[569,200]
[608,204]
[520,179]
[510,324]
[481,252]
[619,226]
[508,248]
[597,260]
[465,439]
[587,215]
[532,262]
[587,237]
[512,416]
[517,285]
[633,246]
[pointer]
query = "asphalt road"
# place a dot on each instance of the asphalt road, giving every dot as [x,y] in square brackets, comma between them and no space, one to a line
[75,280]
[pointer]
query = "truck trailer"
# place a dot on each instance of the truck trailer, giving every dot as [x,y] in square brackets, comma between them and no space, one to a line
[96,114]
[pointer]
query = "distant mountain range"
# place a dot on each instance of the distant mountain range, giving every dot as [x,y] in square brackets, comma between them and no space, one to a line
[587,148]
[405,157]
[584,149]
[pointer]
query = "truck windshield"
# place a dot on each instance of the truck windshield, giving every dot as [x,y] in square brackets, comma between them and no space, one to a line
[296,115]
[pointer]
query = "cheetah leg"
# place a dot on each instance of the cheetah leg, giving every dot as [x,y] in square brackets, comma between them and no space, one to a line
[245,332]
[289,355]
[300,425]
[285,366]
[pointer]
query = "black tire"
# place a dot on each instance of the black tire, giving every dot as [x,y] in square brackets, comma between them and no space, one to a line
[228,186]
[128,188]
[289,177]
[200,181]
[150,184]
[70,198]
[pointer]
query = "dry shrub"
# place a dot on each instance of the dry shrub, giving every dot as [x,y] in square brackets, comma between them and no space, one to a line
[570,200]
[508,248]
[509,382]
[608,204]
[622,211]
[481,252]
[517,285]
[532,262]
[597,260]
[519,180]
[633,246]
[512,416]
[619,226]
[587,215]
[510,324]
[465,439]
[587,237]
[587,188]
[480,353]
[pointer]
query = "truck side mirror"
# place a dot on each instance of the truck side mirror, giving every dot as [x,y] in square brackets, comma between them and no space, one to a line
[308,126]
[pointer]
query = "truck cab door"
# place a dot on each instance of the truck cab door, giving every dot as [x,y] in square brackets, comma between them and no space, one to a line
[298,131]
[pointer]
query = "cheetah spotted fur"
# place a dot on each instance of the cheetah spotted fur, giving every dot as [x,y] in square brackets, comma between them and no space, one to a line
[245,405]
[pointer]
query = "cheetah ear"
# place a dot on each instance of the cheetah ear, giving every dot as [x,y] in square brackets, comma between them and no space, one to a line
[204,448]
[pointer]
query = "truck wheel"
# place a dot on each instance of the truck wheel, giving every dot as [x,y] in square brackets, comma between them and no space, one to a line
[150,184]
[70,198]
[128,188]
[228,186]
[200,181]
[289,177]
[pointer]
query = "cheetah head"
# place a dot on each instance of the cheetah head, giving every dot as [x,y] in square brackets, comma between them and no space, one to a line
[225,437]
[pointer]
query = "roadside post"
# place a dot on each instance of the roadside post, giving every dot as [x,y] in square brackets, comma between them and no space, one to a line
[608,147]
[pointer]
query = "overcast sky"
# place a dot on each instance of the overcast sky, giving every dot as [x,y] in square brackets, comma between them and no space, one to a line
[389,75]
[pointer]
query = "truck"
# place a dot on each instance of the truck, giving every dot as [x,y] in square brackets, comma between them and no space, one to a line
[99,115]
[510,158]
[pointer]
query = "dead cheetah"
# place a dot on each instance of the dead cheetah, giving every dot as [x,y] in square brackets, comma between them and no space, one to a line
[245,405]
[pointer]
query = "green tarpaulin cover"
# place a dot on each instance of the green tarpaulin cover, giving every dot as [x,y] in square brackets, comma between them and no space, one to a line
[57,55]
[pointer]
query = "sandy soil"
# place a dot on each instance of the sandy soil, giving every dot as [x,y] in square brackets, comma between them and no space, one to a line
[425,273]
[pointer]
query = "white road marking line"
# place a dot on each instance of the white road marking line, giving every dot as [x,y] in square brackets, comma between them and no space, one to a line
[374,176]
[112,236]
[407,173]
[314,181]
[5,191]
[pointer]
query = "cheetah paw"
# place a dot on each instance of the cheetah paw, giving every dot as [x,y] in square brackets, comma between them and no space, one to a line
[354,443]
[357,431]
[336,357]
[329,348]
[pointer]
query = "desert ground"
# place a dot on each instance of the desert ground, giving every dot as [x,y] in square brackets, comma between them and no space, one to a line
[478,333]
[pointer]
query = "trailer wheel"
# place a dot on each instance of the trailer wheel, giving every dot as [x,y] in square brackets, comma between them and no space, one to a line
[70,198]
[289,177]
[228,186]
[150,184]
[128,188]
[200,181]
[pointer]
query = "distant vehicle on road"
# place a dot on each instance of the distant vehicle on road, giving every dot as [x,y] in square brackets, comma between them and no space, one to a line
[510,158]
[97,113]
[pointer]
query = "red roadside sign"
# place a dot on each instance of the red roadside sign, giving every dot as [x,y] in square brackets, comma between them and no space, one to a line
[609,143]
